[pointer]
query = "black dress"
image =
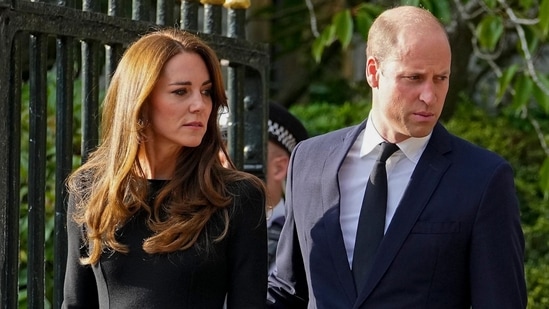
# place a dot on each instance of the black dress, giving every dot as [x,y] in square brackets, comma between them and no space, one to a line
[232,270]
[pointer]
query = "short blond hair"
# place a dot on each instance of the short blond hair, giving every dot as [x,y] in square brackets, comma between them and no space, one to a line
[383,34]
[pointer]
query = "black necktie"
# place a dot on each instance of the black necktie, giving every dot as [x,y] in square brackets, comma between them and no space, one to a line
[371,223]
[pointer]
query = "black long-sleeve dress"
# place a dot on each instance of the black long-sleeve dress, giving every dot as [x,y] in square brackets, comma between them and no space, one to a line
[232,270]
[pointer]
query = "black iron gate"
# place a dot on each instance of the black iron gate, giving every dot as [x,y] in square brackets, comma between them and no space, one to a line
[77,45]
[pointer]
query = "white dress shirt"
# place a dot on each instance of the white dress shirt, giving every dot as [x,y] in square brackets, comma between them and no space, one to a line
[355,171]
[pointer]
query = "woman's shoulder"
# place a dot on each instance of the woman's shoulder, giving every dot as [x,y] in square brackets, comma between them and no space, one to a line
[248,202]
[82,179]
[246,185]
[247,192]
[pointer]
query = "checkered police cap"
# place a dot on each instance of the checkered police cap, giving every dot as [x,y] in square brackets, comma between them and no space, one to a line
[284,128]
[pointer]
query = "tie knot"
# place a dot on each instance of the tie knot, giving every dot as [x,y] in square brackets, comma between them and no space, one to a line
[387,149]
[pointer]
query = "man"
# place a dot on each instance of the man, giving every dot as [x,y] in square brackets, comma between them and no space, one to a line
[285,131]
[452,235]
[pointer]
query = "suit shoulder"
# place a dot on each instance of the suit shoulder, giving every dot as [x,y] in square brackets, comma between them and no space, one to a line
[455,146]
[326,139]
[475,150]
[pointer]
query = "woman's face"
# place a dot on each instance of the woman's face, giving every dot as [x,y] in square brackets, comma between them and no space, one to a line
[180,103]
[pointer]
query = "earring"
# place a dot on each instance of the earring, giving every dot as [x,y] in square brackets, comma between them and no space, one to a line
[142,122]
[269,212]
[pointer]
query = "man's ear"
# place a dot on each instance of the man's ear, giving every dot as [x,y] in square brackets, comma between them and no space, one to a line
[372,72]
[280,168]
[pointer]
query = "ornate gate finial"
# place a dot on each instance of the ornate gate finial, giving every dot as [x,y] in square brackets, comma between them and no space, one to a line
[237,4]
[212,2]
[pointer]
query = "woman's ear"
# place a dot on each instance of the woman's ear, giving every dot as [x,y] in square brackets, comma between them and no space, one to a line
[144,114]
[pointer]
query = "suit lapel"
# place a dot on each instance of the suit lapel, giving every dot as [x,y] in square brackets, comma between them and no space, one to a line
[425,178]
[330,204]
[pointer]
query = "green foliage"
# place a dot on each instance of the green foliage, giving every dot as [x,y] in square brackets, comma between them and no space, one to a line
[504,81]
[336,89]
[438,8]
[523,91]
[544,178]
[365,14]
[489,32]
[544,18]
[340,30]
[540,96]
[538,280]
[323,117]
[325,39]
[343,27]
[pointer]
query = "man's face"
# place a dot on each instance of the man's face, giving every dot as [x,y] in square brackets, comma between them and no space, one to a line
[409,87]
[277,167]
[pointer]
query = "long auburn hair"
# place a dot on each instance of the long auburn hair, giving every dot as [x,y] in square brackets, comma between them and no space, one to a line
[110,187]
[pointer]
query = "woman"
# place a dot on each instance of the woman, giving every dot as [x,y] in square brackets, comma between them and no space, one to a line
[154,219]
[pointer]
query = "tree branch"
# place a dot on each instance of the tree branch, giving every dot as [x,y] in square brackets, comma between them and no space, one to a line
[312,16]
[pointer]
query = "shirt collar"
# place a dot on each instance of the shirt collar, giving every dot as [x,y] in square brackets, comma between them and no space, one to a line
[412,147]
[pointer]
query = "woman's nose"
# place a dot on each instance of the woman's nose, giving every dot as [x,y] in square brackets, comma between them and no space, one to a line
[198,102]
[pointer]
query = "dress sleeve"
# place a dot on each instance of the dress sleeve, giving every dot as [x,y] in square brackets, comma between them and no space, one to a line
[248,249]
[80,290]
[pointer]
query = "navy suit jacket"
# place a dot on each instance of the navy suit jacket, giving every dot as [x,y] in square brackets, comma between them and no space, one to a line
[455,240]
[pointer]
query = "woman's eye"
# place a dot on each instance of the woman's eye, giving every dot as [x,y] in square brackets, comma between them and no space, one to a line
[207,92]
[180,92]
